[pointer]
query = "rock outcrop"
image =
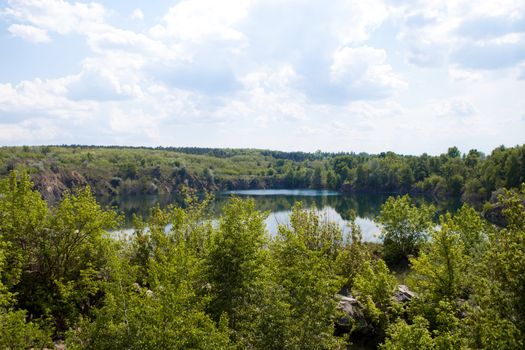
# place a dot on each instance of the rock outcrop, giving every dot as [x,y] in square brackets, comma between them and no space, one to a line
[403,294]
[354,313]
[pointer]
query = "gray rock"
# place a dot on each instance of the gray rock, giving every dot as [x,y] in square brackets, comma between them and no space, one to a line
[349,306]
[353,317]
[353,314]
[403,294]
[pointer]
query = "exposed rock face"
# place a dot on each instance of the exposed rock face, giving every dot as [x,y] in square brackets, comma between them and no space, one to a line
[53,184]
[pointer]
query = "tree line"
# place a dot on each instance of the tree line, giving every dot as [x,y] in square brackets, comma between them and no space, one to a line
[472,177]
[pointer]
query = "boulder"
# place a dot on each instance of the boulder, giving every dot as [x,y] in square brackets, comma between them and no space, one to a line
[353,317]
[349,306]
[403,294]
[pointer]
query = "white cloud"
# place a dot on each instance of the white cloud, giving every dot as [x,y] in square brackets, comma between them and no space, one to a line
[362,66]
[484,35]
[199,20]
[29,131]
[100,84]
[57,15]
[132,46]
[463,75]
[306,36]
[137,14]
[490,54]
[521,71]
[135,122]
[267,97]
[42,98]
[455,108]
[377,111]
[207,46]
[353,21]
[275,70]
[29,33]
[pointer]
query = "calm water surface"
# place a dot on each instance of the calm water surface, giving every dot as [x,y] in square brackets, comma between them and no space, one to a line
[333,206]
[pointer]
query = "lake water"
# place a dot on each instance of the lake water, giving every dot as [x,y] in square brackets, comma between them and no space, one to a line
[332,206]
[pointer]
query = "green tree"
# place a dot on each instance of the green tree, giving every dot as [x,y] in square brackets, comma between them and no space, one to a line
[15,331]
[353,256]
[318,178]
[512,170]
[307,283]
[315,233]
[72,255]
[472,230]
[503,270]
[473,158]
[402,336]
[440,266]
[453,152]
[374,286]
[404,228]
[236,261]
[56,258]
[23,214]
[361,176]
[455,185]
[164,311]
[332,180]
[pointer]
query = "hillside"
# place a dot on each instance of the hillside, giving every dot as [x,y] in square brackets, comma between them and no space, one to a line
[117,170]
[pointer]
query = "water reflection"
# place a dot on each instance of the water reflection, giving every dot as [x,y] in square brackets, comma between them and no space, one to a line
[365,205]
[333,206]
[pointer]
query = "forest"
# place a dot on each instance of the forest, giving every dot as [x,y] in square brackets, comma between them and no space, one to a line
[180,281]
[472,177]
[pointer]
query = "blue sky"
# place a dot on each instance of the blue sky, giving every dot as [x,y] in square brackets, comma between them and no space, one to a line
[406,76]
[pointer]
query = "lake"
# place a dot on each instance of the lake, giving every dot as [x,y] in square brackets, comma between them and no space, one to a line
[332,206]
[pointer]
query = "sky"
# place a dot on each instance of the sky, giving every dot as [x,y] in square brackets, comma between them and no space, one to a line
[411,77]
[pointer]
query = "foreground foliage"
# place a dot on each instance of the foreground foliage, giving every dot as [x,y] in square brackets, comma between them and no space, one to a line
[180,281]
